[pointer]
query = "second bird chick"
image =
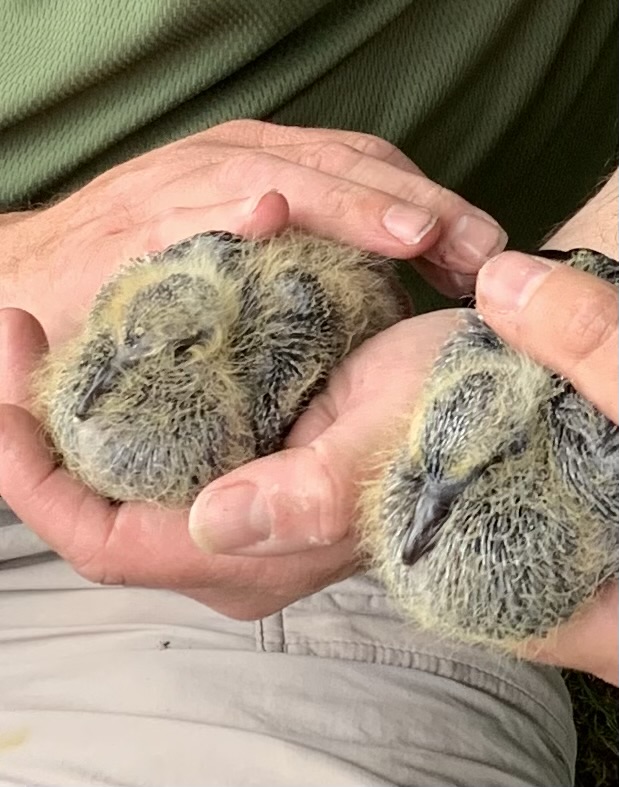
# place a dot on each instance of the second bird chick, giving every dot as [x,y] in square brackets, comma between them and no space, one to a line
[498,517]
[200,358]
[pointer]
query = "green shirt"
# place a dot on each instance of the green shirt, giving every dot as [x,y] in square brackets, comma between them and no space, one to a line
[513,103]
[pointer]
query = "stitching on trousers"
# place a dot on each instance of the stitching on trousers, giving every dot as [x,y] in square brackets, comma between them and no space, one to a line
[414,658]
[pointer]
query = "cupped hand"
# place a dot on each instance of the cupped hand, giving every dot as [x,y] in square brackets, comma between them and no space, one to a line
[566,320]
[308,492]
[350,186]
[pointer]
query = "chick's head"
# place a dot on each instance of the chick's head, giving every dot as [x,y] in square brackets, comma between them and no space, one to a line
[477,413]
[169,317]
[144,403]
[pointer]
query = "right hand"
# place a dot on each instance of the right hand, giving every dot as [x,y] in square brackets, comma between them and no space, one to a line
[340,184]
[567,320]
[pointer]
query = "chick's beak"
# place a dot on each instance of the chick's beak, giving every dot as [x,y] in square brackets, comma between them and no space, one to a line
[431,511]
[101,383]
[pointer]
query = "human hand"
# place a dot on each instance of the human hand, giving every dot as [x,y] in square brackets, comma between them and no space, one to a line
[566,320]
[349,186]
[308,491]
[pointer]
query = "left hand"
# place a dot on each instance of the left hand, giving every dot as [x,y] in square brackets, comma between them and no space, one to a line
[308,491]
[566,320]
[247,177]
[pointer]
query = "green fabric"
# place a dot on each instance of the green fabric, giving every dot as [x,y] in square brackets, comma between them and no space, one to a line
[511,102]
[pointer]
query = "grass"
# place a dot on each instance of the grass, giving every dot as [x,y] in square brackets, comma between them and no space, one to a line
[596,706]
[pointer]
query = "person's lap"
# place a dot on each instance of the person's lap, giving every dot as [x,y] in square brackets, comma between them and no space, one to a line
[130,686]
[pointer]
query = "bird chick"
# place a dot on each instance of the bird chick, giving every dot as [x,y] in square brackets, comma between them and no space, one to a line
[200,358]
[499,516]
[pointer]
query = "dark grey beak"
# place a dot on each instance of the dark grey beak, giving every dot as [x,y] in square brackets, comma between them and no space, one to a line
[432,509]
[102,383]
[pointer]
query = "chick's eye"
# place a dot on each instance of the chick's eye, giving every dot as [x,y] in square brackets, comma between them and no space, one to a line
[182,345]
[517,445]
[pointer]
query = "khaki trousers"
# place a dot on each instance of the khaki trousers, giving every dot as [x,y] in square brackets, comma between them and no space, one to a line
[121,686]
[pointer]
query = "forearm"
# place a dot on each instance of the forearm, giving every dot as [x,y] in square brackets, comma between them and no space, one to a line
[595,226]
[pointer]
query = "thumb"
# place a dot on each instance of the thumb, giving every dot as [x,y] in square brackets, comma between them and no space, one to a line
[305,496]
[300,498]
[561,317]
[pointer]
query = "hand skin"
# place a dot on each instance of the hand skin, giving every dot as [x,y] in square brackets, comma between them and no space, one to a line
[350,186]
[137,544]
[567,320]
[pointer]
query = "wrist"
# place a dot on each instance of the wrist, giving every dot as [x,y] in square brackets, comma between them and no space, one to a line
[595,226]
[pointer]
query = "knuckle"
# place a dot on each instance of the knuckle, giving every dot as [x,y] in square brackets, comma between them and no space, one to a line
[123,186]
[243,169]
[423,191]
[223,128]
[592,322]
[338,201]
[245,127]
[90,557]
[331,156]
[119,218]
[115,209]
[88,567]
[371,145]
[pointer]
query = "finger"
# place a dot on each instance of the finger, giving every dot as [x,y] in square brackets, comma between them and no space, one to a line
[323,203]
[259,587]
[564,318]
[103,542]
[257,133]
[251,218]
[587,642]
[305,496]
[469,236]
[141,544]
[43,495]
[208,147]
[22,343]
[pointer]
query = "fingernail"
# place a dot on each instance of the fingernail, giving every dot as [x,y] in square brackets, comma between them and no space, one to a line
[475,239]
[463,284]
[229,518]
[507,283]
[254,202]
[408,224]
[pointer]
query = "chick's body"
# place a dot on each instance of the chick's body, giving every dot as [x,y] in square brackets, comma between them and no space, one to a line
[500,515]
[198,359]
